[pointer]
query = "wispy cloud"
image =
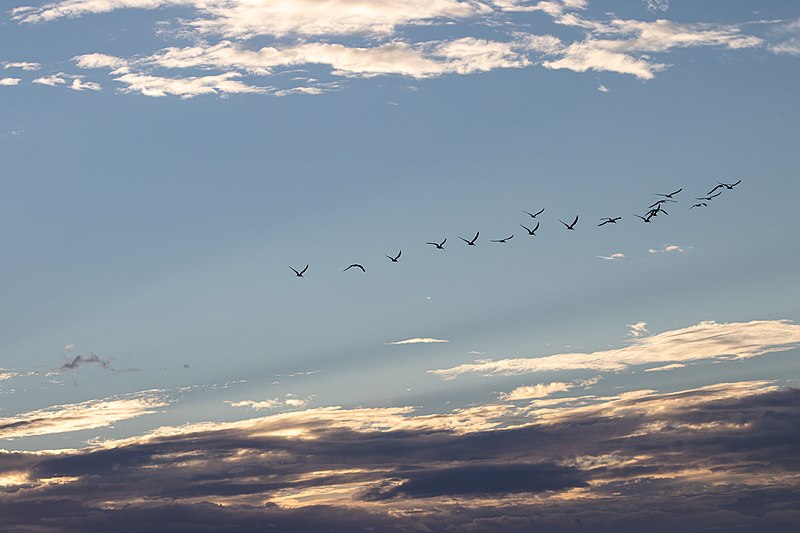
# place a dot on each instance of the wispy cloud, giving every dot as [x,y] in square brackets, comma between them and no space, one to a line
[289,401]
[707,340]
[638,329]
[664,368]
[654,6]
[418,340]
[613,257]
[8,82]
[603,89]
[80,416]
[24,65]
[666,249]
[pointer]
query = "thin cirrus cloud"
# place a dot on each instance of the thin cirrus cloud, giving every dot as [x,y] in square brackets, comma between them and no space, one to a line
[81,416]
[418,340]
[24,65]
[304,33]
[644,454]
[707,340]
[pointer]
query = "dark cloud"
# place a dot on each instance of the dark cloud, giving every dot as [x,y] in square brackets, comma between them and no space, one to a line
[79,360]
[698,460]
[482,480]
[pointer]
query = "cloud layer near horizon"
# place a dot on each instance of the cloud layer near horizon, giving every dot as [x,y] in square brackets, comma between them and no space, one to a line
[624,461]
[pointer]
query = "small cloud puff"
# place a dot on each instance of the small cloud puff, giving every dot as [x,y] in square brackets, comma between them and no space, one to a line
[418,340]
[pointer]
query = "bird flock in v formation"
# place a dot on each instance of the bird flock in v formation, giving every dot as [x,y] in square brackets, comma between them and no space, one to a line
[652,212]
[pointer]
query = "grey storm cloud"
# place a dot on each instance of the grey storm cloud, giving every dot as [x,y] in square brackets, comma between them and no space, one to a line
[688,460]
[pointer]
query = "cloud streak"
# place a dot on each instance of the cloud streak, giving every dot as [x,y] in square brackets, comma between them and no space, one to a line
[707,340]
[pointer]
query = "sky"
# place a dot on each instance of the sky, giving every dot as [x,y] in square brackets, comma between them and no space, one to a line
[166,163]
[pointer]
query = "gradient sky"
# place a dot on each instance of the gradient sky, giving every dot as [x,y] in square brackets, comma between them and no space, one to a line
[164,162]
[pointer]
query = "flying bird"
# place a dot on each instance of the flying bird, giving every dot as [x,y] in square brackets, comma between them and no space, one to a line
[709,197]
[438,245]
[531,231]
[645,218]
[395,258]
[608,220]
[660,202]
[356,265]
[534,215]
[300,274]
[472,242]
[701,204]
[504,240]
[658,210]
[570,226]
[729,186]
[670,195]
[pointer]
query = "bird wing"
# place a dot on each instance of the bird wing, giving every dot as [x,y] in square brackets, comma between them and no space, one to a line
[537,226]
[539,213]
[715,188]
[676,192]
[602,223]
[476,237]
[399,254]
[737,183]
[362,268]
[304,270]
[575,221]
[295,271]
[567,225]
[526,229]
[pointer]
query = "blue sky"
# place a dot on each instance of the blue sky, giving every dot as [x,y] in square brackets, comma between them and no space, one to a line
[165,162]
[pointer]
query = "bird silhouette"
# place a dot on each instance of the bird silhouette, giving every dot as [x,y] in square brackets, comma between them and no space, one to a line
[701,204]
[660,202]
[607,220]
[730,186]
[570,226]
[658,210]
[534,215]
[300,274]
[646,218]
[503,240]
[531,231]
[709,197]
[438,245]
[670,195]
[472,242]
[395,258]
[356,265]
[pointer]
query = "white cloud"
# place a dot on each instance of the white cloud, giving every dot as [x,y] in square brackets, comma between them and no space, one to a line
[638,329]
[90,61]
[247,18]
[590,55]
[613,257]
[52,81]
[461,56]
[707,340]
[790,47]
[80,416]
[603,89]
[667,248]
[189,87]
[24,65]
[8,82]
[274,403]
[418,340]
[78,85]
[536,391]
[673,366]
